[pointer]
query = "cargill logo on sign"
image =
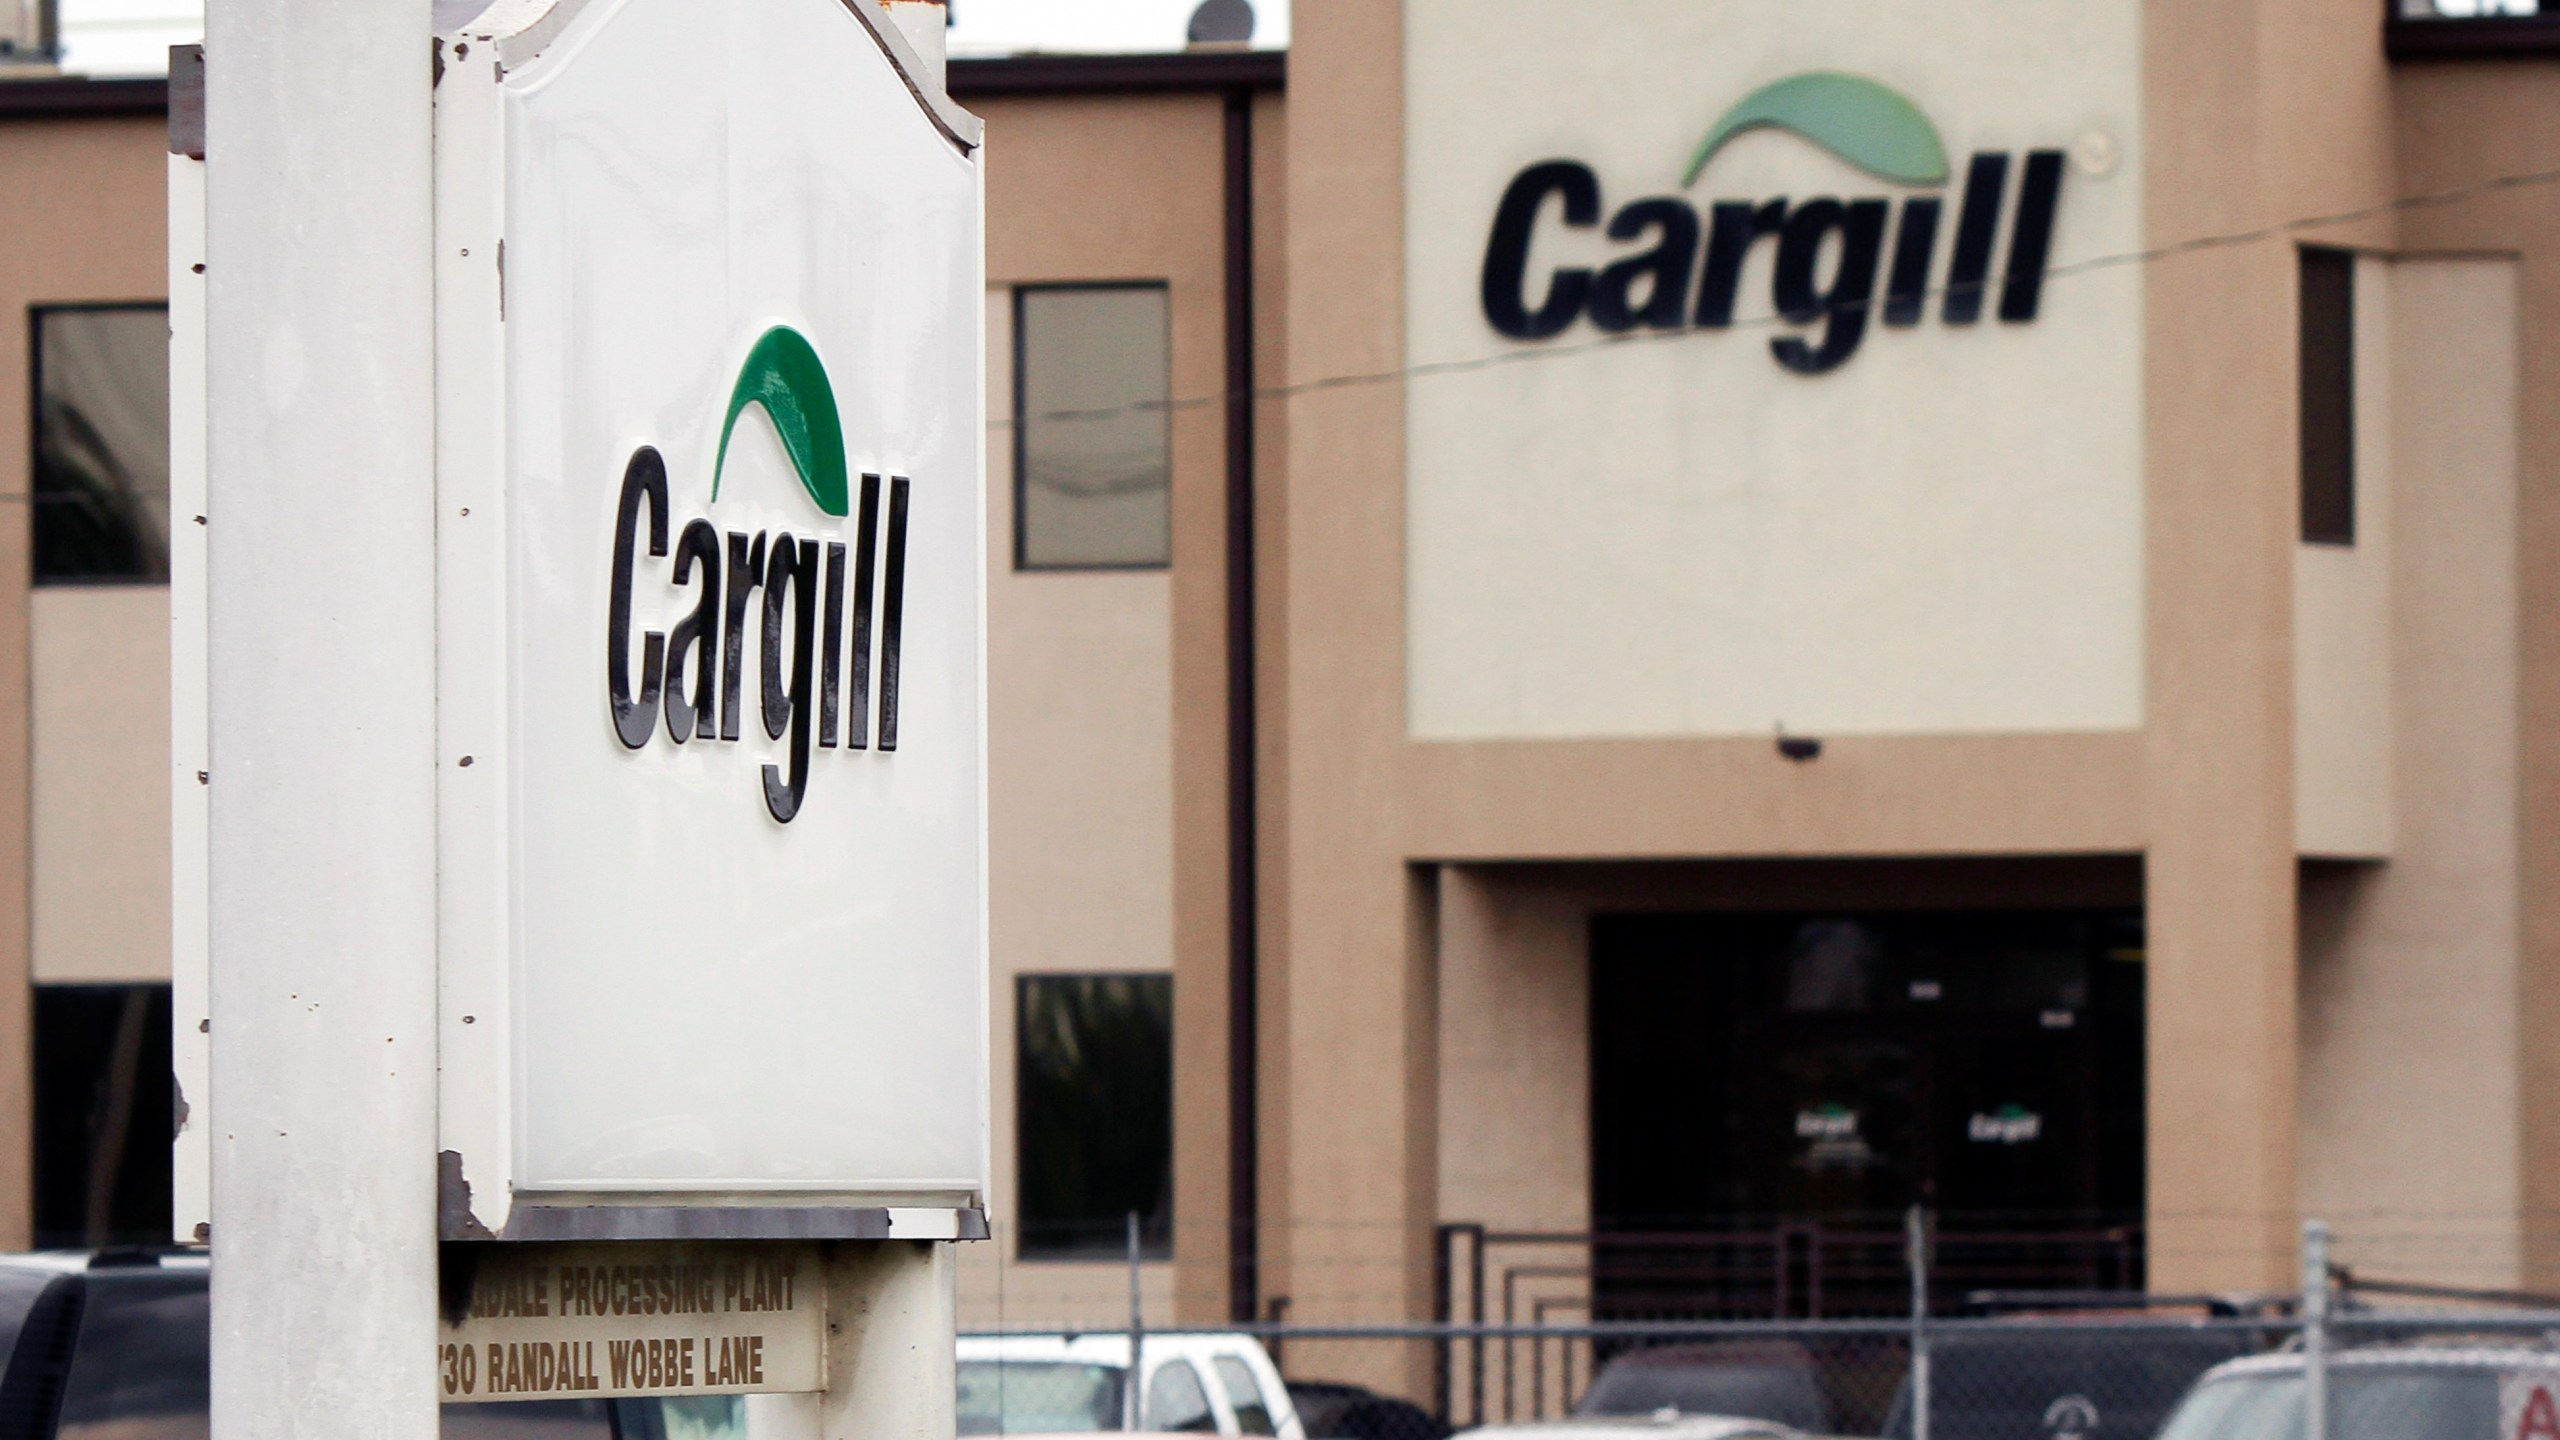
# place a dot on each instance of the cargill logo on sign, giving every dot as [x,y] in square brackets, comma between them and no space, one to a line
[1665,284]
[693,679]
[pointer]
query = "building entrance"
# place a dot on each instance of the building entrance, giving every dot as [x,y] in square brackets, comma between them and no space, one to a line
[1770,1092]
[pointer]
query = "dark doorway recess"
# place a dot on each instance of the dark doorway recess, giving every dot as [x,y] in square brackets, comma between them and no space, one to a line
[1771,1091]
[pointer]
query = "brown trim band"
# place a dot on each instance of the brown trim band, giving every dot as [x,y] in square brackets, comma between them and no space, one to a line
[978,79]
[67,97]
[76,97]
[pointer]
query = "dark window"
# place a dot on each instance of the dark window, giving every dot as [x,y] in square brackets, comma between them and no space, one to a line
[1093,435]
[2457,10]
[2328,397]
[2422,29]
[1253,1413]
[104,1115]
[1176,1401]
[101,443]
[1094,1113]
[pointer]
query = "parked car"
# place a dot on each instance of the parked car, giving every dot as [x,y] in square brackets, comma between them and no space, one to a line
[1773,1380]
[2488,1391]
[1667,1425]
[1333,1410]
[2060,1379]
[114,1346]
[1053,1384]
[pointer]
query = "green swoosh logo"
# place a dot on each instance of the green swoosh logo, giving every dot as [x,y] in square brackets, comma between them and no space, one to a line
[1855,118]
[782,376]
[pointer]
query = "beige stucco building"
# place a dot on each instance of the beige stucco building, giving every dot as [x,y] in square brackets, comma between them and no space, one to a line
[1812,610]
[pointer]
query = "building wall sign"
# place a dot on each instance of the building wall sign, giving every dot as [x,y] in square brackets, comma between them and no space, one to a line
[1764,377]
[710,645]
[1854,118]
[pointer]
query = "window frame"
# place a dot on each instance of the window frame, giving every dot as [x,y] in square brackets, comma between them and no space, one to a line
[2468,37]
[1022,564]
[36,311]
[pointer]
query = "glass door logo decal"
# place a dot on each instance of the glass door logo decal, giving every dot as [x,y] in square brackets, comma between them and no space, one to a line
[1856,119]
[693,678]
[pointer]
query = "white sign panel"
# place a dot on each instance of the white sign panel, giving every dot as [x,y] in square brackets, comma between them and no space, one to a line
[596,1321]
[710,670]
[1785,421]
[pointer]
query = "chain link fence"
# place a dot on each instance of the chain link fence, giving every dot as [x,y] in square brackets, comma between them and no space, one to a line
[2344,1358]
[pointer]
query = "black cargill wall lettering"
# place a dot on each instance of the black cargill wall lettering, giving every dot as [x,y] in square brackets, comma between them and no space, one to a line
[644,482]
[866,541]
[1736,224]
[1663,270]
[2031,241]
[1843,307]
[834,646]
[1906,293]
[1506,250]
[697,634]
[793,571]
[1977,225]
[746,570]
[893,595]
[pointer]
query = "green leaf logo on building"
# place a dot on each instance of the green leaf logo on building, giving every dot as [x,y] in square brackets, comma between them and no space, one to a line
[783,376]
[1857,119]
[1843,266]
[840,594]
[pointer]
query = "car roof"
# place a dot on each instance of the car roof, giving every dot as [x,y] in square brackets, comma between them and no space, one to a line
[1626,1427]
[82,1262]
[1101,1347]
[2446,1357]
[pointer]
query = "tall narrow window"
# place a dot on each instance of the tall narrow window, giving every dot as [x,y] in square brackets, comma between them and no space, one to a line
[1093,1116]
[1092,437]
[2328,396]
[103,1115]
[101,443]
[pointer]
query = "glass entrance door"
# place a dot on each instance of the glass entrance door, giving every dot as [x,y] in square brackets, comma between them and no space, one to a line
[1784,1086]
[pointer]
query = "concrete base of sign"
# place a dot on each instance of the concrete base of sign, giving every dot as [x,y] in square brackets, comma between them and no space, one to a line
[892,1310]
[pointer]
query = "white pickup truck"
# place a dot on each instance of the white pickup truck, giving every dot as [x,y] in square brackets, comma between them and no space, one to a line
[1076,1384]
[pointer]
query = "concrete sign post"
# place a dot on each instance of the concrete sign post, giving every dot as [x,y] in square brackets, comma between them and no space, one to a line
[595,651]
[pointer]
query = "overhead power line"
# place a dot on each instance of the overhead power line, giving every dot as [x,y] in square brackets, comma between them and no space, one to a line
[1527,353]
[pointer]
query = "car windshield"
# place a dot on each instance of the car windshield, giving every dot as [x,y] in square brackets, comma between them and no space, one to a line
[2364,1404]
[2017,1384]
[1769,1385]
[1032,1397]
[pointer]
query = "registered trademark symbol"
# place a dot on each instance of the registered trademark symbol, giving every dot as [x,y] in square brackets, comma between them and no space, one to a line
[2095,153]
